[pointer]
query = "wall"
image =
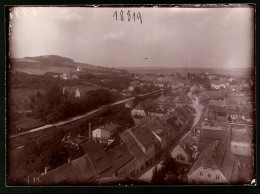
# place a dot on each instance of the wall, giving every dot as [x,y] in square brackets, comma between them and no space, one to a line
[197,178]
[241,148]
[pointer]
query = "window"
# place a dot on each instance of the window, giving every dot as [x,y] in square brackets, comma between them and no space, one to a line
[201,173]
[217,177]
[209,175]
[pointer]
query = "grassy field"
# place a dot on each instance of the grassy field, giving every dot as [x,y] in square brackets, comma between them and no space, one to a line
[19,94]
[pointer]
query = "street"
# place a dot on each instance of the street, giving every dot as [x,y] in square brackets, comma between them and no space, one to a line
[198,107]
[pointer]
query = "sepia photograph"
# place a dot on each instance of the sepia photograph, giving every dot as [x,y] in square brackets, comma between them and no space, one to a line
[131,95]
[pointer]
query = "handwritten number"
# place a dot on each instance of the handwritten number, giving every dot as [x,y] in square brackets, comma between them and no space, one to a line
[139,17]
[115,14]
[122,16]
[129,15]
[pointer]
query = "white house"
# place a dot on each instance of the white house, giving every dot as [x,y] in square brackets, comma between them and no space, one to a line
[105,132]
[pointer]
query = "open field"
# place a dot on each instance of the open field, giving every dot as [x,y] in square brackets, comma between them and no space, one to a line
[21,94]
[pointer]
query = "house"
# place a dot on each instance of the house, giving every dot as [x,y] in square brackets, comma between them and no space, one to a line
[78,171]
[127,93]
[181,99]
[165,102]
[215,165]
[80,91]
[156,111]
[105,132]
[135,150]
[182,152]
[244,115]
[160,84]
[98,158]
[241,140]
[218,84]
[133,88]
[141,108]
[217,112]
[74,77]
[158,128]
[122,161]
[147,142]
[212,131]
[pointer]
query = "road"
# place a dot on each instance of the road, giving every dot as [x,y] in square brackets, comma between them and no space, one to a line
[198,107]
[79,117]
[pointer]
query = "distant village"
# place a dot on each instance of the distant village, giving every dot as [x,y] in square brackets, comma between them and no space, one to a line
[208,131]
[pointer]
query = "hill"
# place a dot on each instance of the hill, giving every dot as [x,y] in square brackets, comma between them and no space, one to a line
[53,63]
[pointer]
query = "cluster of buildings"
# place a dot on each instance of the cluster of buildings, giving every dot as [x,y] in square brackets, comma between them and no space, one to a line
[212,148]
[221,146]
[71,75]
[139,146]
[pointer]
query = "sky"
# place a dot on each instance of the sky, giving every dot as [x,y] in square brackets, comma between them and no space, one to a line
[167,37]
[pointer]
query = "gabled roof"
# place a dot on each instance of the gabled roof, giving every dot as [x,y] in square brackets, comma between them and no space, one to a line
[75,172]
[182,97]
[217,131]
[173,122]
[97,156]
[217,156]
[143,135]
[132,145]
[120,156]
[158,126]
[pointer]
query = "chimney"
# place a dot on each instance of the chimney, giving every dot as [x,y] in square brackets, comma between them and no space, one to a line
[45,169]
[68,159]
[89,132]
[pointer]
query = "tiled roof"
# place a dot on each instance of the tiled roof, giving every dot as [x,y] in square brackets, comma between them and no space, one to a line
[97,156]
[158,127]
[173,122]
[182,97]
[208,134]
[217,156]
[78,171]
[132,145]
[143,135]
[120,156]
